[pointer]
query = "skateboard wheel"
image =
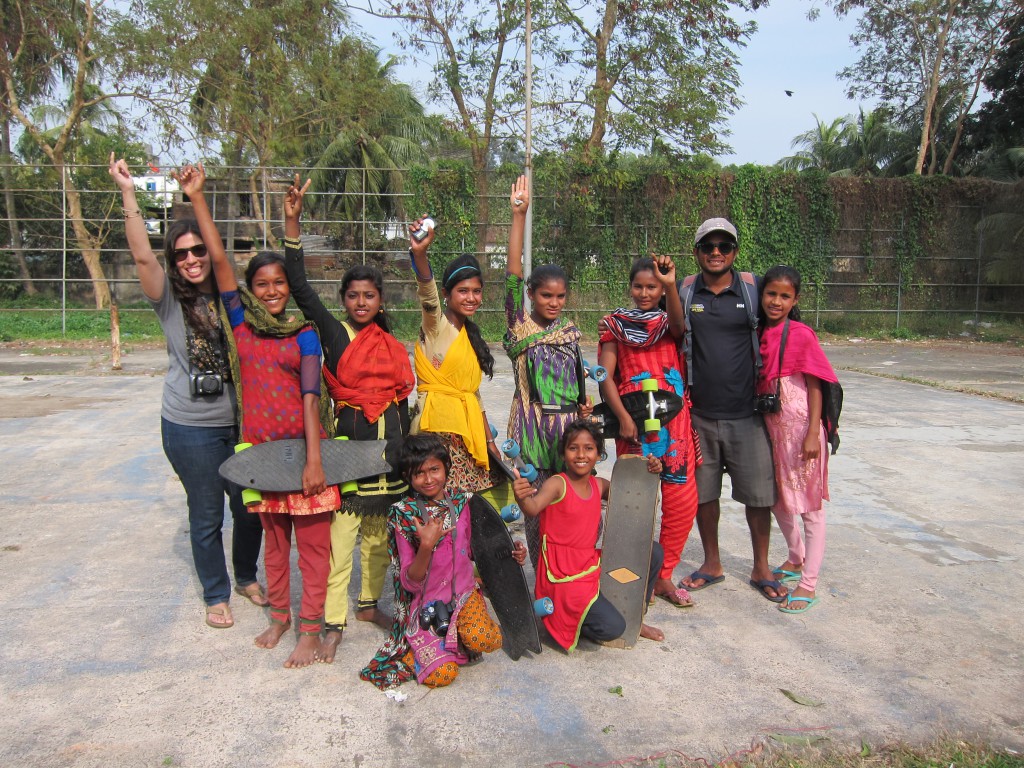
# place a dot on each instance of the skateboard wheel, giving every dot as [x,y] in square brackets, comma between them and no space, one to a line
[543,607]
[494,430]
[529,472]
[251,496]
[649,385]
[652,425]
[603,456]
[242,447]
[341,437]
[510,448]
[600,373]
[510,513]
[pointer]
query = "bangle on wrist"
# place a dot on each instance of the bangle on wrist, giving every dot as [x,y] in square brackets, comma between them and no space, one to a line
[131,213]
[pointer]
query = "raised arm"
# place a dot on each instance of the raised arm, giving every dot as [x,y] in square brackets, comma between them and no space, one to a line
[519,199]
[666,275]
[147,266]
[533,501]
[418,249]
[192,178]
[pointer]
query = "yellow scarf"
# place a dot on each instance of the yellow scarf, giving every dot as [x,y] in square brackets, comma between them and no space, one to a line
[450,403]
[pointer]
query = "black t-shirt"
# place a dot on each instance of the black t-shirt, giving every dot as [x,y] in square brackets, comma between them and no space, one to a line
[723,355]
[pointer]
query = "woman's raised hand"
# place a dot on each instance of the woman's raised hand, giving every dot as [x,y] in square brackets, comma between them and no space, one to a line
[520,197]
[419,247]
[293,198]
[191,179]
[121,175]
[666,270]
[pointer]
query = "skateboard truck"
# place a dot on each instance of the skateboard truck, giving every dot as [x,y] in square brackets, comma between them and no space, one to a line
[543,607]
[510,513]
[511,449]
[596,372]
[652,425]
[249,495]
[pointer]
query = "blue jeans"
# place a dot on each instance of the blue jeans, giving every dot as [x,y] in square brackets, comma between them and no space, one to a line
[195,454]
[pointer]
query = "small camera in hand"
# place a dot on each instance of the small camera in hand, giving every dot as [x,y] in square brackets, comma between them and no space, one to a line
[770,403]
[205,383]
[436,616]
[426,227]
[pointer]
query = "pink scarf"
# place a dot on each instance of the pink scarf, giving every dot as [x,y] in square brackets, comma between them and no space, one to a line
[803,354]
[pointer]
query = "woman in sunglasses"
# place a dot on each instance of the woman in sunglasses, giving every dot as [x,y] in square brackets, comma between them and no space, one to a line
[197,413]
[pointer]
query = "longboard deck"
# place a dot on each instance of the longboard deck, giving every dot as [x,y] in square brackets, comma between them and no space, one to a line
[278,464]
[629,530]
[504,579]
[667,406]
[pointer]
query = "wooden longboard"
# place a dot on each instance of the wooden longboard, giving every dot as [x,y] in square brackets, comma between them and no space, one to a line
[278,464]
[504,579]
[628,533]
[667,407]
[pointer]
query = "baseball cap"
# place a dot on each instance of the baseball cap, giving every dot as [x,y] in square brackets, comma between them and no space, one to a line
[715,225]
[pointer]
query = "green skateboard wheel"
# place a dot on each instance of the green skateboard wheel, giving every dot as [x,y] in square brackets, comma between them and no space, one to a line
[649,385]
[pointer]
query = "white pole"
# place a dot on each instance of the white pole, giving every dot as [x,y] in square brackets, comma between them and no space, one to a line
[528,235]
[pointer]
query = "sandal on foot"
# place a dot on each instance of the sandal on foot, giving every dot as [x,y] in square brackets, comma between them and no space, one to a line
[763,585]
[680,598]
[224,612]
[790,599]
[785,577]
[254,593]
[707,578]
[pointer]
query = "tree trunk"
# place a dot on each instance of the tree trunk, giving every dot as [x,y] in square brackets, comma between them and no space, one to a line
[88,244]
[13,224]
[602,82]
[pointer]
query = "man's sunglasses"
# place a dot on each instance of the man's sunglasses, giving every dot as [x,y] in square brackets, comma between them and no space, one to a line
[180,254]
[725,247]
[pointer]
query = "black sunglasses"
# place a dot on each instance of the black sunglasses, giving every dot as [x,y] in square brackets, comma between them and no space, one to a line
[180,254]
[725,247]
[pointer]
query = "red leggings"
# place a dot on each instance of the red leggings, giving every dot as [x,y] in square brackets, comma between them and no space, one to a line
[313,540]
[678,509]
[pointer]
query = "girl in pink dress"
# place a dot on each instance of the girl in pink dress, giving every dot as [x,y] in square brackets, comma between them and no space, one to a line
[793,368]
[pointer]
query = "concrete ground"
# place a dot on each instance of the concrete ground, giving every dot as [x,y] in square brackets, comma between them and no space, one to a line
[106,661]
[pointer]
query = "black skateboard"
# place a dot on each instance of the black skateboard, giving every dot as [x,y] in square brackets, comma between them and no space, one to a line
[628,536]
[651,409]
[277,465]
[503,579]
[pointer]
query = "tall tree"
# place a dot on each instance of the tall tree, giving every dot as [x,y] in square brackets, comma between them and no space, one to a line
[644,70]
[928,56]
[98,43]
[473,48]
[999,123]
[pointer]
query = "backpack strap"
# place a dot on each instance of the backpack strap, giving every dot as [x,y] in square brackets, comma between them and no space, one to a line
[685,289]
[748,283]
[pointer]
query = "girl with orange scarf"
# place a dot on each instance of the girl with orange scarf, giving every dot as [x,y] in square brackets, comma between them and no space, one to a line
[369,379]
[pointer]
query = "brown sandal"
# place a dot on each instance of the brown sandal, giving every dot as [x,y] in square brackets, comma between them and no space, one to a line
[222,610]
[254,593]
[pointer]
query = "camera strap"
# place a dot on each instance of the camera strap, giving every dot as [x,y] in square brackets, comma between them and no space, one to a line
[449,505]
[782,351]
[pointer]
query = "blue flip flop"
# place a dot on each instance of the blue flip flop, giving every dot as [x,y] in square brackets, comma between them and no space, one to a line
[707,578]
[811,602]
[762,586]
[786,576]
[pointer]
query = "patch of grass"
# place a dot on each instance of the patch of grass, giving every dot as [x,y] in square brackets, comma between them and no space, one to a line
[914,327]
[79,324]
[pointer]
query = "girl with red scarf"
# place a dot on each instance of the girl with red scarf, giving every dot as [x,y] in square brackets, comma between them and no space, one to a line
[643,343]
[369,378]
[793,367]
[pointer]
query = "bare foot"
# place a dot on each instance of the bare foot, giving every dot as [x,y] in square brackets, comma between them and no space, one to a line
[651,633]
[329,646]
[306,652]
[270,637]
[376,616]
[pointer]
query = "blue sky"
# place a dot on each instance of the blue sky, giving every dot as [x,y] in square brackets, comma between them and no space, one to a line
[787,53]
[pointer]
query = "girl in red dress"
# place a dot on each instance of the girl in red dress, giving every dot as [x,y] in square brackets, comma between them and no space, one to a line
[569,570]
[279,398]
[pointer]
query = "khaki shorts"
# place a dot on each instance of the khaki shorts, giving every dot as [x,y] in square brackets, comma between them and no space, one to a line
[741,448]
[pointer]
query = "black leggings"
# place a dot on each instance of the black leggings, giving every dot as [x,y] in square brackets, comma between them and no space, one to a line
[603,621]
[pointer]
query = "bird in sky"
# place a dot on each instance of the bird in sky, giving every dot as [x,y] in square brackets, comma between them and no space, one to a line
[789,93]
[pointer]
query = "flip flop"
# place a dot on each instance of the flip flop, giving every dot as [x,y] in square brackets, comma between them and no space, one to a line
[223,611]
[254,593]
[787,576]
[762,586]
[707,578]
[680,598]
[811,602]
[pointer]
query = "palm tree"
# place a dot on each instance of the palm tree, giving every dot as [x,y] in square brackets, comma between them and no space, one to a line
[826,147]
